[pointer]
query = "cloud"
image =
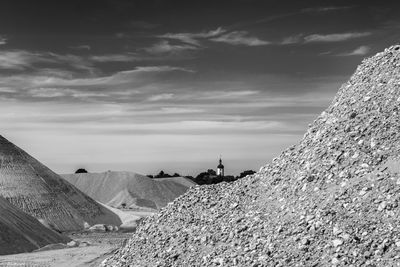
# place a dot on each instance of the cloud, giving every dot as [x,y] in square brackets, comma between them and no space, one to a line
[21,59]
[114,58]
[81,47]
[191,38]
[62,92]
[360,51]
[334,37]
[18,60]
[160,97]
[227,94]
[325,9]
[164,47]
[3,40]
[180,110]
[240,38]
[47,85]
[159,69]
[292,39]
[7,90]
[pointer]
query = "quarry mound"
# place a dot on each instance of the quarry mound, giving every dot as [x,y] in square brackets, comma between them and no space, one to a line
[36,190]
[20,232]
[331,200]
[129,190]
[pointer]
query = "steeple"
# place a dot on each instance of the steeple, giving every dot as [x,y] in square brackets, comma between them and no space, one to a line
[220,168]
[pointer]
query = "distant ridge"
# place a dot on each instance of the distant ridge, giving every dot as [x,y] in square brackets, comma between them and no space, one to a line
[20,232]
[129,189]
[38,191]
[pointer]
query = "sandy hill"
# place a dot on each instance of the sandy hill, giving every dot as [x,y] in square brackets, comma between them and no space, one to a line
[20,232]
[132,190]
[331,200]
[38,191]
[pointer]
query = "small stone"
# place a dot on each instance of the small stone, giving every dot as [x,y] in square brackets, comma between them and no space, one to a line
[362,192]
[353,115]
[382,206]
[336,230]
[72,244]
[335,261]
[345,236]
[337,242]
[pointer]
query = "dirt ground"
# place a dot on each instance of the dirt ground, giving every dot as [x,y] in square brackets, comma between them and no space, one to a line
[93,249]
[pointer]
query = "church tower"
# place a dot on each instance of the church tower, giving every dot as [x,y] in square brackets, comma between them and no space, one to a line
[220,169]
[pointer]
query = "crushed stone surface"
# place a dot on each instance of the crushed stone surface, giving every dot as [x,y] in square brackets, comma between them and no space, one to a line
[331,200]
[35,189]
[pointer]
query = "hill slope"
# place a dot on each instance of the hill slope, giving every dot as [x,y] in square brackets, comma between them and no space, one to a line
[20,232]
[333,199]
[38,191]
[132,189]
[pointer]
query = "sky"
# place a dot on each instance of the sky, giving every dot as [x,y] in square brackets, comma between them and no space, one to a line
[150,85]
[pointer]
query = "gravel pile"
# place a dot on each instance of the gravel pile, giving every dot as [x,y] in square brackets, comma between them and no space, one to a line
[20,232]
[128,189]
[36,190]
[331,200]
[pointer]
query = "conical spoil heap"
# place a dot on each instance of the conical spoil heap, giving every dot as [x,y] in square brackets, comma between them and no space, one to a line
[331,200]
[20,232]
[38,191]
[128,189]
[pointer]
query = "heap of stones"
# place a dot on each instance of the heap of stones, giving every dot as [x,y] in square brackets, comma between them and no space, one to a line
[332,199]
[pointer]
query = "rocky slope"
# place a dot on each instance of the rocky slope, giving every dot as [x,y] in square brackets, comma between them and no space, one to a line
[38,191]
[20,232]
[128,189]
[331,200]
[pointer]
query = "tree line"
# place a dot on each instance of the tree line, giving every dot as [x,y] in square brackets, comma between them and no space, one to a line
[207,177]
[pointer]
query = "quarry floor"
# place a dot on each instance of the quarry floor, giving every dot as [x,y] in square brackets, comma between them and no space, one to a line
[100,246]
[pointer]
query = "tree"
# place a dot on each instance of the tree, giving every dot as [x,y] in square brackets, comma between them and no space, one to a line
[211,172]
[81,170]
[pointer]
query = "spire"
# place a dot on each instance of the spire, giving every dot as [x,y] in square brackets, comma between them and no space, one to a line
[220,166]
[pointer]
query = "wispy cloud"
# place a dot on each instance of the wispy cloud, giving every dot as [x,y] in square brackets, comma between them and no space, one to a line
[115,58]
[81,47]
[164,47]
[62,92]
[227,94]
[3,40]
[18,59]
[21,59]
[49,85]
[192,38]
[292,39]
[180,110]
[160,97]
[325,9]
[240,38]
[334,37]
[160,69]
[360,51]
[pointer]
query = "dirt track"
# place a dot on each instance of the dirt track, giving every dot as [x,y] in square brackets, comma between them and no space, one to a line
[100,246]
